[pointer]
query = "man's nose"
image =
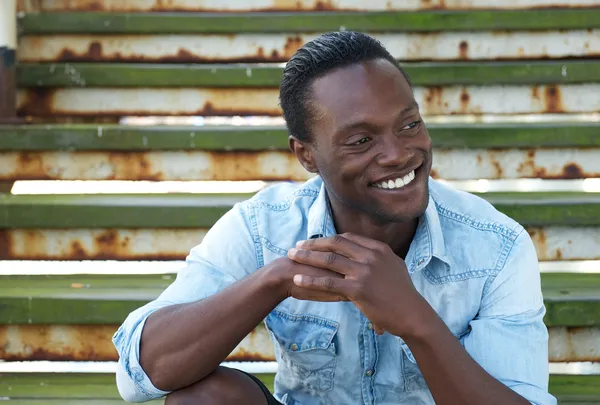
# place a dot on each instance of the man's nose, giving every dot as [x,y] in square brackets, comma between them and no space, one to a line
[393,152]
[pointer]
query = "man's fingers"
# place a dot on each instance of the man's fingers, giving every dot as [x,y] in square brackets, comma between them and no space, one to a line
[338,286]
[325,260]
[337,244]
[363,241]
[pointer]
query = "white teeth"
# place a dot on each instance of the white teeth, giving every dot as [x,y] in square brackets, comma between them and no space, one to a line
[397,183]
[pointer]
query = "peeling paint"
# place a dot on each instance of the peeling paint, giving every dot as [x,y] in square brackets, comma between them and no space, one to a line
[499,45]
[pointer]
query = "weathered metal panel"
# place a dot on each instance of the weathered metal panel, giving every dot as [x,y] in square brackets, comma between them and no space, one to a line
[93,343]
[195,165]
[566,243]
[567,163]
[288,5]
[98,244]
[454,164]
[453,100]
[552,243]
[280,47]
[574,344]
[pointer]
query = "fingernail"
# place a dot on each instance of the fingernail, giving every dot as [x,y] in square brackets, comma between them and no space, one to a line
[299,243]
[292,252]
[297,279]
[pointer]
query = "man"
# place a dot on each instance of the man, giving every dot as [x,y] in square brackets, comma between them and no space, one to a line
[379,285]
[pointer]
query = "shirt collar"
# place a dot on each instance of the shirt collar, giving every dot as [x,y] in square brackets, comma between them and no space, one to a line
[427,243]
[320,219]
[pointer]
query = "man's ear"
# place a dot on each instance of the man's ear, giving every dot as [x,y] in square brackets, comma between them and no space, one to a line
[304,153]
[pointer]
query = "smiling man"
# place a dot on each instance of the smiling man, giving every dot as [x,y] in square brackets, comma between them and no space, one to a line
[378,284]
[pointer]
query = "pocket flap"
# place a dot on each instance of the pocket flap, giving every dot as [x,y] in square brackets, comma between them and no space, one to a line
[301,332]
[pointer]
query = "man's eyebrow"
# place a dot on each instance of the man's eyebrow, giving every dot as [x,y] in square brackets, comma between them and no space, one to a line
[364,124]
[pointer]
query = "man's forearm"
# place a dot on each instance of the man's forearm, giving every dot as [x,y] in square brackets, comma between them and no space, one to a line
[452,376]
[181,344]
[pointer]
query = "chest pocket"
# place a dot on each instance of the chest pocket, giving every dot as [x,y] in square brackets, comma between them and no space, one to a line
[306,347]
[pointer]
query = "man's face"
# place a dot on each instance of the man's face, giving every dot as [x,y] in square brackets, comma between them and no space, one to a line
[369,144]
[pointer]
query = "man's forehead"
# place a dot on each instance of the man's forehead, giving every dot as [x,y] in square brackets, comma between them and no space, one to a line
[364,86]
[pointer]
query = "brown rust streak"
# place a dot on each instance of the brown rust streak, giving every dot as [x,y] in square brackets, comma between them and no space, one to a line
[538,236]
[434,100]
[244,355]
[553,100]
[463,50]
[6,244]
[39,102]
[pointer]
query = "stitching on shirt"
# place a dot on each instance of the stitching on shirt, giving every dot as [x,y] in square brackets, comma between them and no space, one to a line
[275,249]
[472,222]
[307,317]
[303,192]
[458,277]
[501,265]
[260,260]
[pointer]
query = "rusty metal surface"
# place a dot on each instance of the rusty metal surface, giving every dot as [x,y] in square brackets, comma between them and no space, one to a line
[98,244]
[288,5]
[574,344]
[567,163]
[552,243]
[279,47]
[452,164]
[451,100]
[566,243]
[93,343]
[275,165]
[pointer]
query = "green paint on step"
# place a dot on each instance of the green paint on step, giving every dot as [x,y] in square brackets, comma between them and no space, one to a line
[250,76]
[100,389]
[198,211]
[189,22]
[571,299]
[85,137]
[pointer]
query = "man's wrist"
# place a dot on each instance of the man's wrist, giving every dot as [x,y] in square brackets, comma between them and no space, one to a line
[426,323]
[274,281]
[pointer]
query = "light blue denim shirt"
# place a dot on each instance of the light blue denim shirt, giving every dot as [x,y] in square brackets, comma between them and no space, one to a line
[475,266]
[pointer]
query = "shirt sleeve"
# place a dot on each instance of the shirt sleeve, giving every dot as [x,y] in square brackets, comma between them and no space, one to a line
[226,254]
[508,337]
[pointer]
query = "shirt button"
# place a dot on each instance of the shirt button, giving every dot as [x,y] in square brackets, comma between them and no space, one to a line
[370,326]
[293,347]
[421,261]
[369,373]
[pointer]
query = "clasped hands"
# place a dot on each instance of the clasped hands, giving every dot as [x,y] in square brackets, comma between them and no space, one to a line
[364,271]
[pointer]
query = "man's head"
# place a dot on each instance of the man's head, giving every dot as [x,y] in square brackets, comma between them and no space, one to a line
[353,119]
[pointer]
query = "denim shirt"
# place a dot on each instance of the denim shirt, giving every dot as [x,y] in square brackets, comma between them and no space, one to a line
[475,266]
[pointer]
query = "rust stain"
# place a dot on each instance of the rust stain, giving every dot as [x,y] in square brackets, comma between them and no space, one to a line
[434,174]
[6,244]
[559,254]
[463,50]
[535,92]
[538,236]
[479,159]
[325,5]
[465,99]
[497,168]
[292,44]
[553,100]
[573,171]
[434,100]
[84,343]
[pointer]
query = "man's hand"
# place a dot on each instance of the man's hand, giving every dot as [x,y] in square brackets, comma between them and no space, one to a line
[375,279]
[284,270]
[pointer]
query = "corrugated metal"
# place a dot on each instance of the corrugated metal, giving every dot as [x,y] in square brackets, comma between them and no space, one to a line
[275,165]
[567,163]
[288,5]
[456,164]
[280,47]
[93,343]
[552,243]
[453,100]
[574,344]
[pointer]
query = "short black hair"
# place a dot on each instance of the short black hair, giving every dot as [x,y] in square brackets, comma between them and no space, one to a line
[314,59]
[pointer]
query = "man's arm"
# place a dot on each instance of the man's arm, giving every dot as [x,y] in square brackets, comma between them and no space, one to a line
[216,300]
[504,358]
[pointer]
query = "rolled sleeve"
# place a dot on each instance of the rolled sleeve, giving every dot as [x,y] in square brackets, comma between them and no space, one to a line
[226,254]
[508,338]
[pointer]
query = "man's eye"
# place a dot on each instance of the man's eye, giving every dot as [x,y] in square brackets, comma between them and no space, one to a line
[412,125]
[362,141]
